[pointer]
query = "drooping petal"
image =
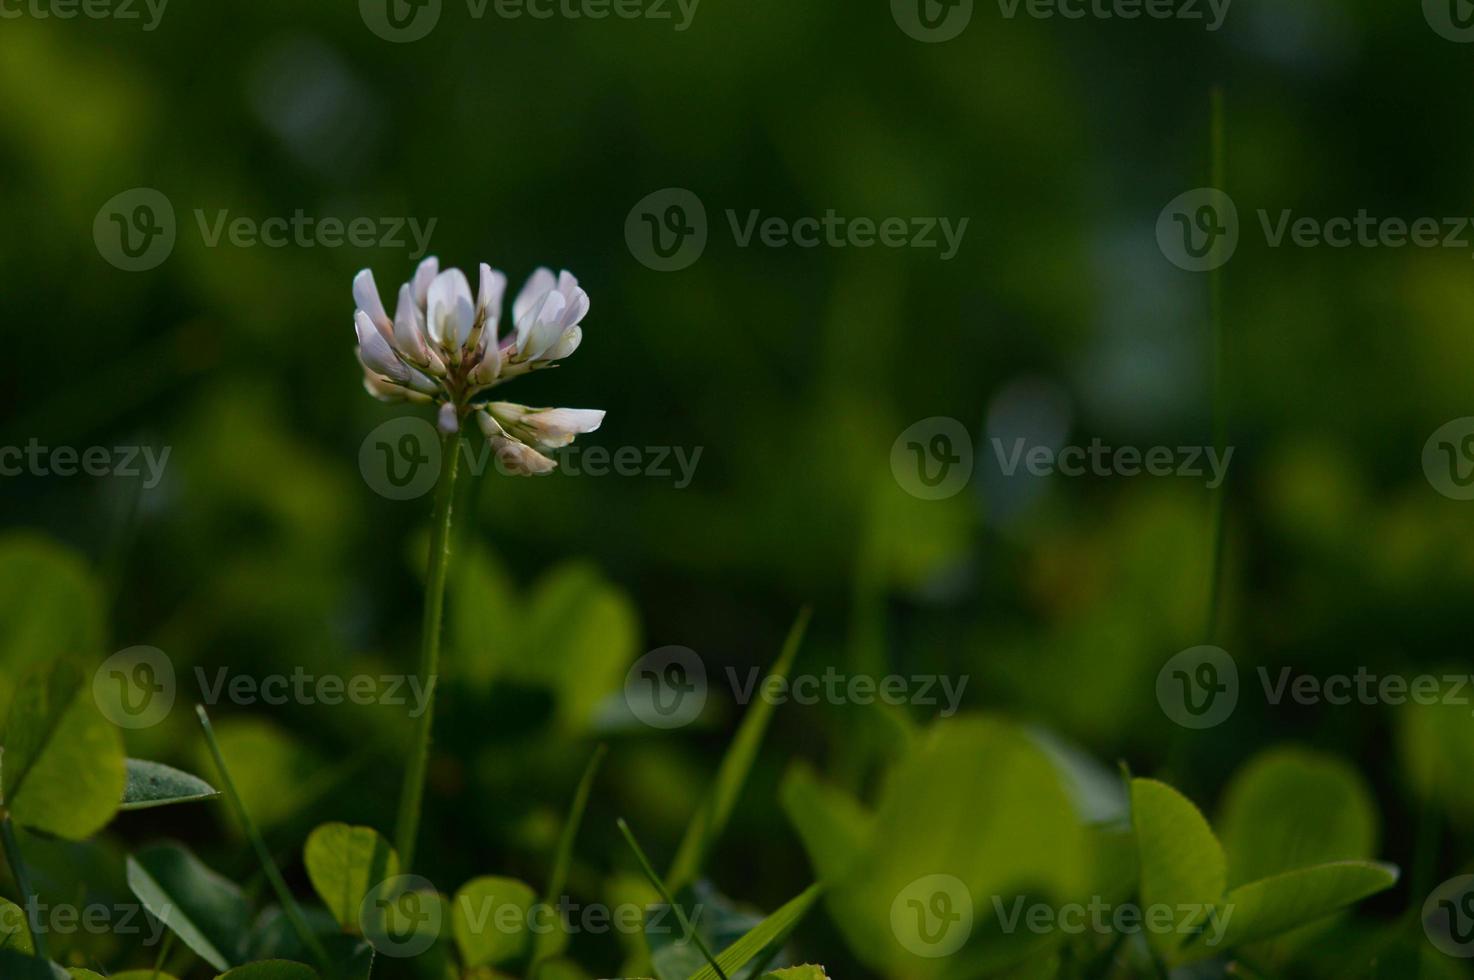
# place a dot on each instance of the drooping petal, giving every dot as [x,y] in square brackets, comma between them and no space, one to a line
[424,276]
[450,312]
[366,295]
[376,352]
[550,428]
[512,455]
[538,285]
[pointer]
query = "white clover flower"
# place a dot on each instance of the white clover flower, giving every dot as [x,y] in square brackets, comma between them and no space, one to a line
[443,347]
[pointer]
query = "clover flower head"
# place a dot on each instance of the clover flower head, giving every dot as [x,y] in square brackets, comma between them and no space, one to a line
[444,347]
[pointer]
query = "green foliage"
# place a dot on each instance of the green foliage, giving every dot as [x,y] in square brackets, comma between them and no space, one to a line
[1182,863]
[63,768]
[711,819]
[14,934]
[490,920]
[50,604]
[765,938]
[205,910]
[977,798]
[151,784]
[1183,866]
[345,863]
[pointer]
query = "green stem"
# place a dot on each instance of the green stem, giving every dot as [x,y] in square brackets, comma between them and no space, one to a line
[22,881]
[268,866]
[669,899]
[411,796]
[1220,412]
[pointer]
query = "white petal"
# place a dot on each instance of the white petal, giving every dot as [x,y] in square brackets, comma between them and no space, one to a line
[567,344]
[450,312]
[578,307]
[409,328]
[551,428]
[490,367]
[375,350]
[366,295]
[489,298]
[538,285]
[425,275]
[542,329]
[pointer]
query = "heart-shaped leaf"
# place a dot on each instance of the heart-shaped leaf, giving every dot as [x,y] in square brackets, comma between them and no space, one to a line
[345,863]
[1276,904]
[490,920]
[14,934]
[206,911]
[151,784]
[270,970]
[1182,863]
[806,972]
[50,604]
[63,762]
[1290,808]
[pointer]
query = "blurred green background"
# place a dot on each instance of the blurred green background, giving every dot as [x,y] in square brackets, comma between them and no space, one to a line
[793,369]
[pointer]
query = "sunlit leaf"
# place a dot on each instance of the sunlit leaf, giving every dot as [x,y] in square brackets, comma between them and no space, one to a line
[63,769]
[344,864]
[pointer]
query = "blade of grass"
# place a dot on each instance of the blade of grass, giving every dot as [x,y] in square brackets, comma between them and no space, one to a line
[770,932]
[716,809]
[288,903]
[22,875]
[550,942]
[1220,410]
[669,899]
